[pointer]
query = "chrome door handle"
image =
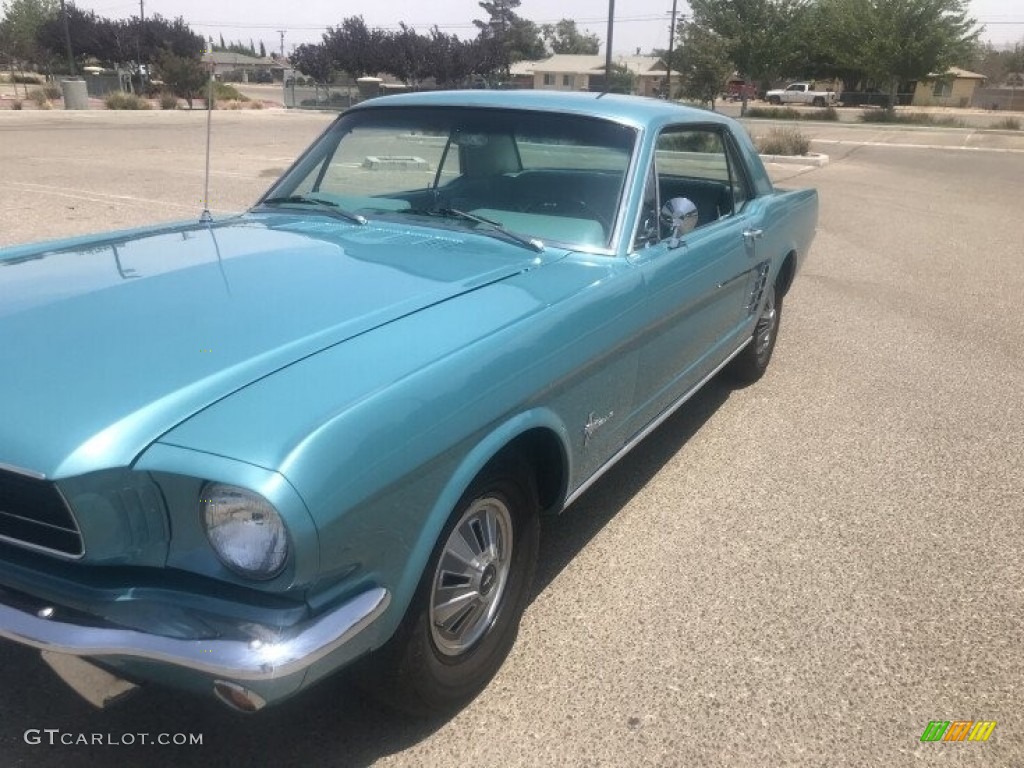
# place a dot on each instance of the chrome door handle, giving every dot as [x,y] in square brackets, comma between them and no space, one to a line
[750,235]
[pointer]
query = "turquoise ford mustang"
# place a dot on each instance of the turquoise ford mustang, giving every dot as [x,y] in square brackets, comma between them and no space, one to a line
[239,455]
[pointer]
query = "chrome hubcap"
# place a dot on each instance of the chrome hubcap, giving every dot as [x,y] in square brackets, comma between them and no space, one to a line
[765,328]
[471,576]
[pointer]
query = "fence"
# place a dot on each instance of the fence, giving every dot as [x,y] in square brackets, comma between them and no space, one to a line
[999,98]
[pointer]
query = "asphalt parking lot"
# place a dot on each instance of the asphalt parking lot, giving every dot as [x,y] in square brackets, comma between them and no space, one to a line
[803,572]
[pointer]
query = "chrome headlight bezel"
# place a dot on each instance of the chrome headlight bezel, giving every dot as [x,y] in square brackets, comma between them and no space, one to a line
[229,512]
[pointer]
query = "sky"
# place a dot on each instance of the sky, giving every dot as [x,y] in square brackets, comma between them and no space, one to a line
[640,24]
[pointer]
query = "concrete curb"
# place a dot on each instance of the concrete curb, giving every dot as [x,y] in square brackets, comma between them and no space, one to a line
[815,159]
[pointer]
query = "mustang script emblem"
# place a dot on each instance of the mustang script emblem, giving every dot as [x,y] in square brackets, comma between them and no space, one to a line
[593,424]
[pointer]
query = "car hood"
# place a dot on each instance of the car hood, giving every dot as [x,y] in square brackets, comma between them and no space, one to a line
[109,342]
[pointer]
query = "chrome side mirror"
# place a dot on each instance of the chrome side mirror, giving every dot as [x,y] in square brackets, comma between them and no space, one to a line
[683,216]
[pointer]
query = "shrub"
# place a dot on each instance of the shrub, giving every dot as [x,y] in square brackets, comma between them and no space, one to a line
[910,118]
[255,104]
[16,104]
[39,98]
[168,101]
[785,113]
[122,100]
[1008,124]
[26,79]
[772,113]
[225,92]
[53,91]
[829,114]
[783,141]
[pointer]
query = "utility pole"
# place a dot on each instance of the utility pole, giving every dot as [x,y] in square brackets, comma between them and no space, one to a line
[67,39]
[671,43]
[608,49]
[281,33]
[142,30]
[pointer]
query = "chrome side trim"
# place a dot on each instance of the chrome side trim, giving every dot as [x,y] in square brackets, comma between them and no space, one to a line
[651,427]
[22,471]
[271,656]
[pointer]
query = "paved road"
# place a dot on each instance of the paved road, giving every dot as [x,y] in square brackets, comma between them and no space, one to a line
[804,572]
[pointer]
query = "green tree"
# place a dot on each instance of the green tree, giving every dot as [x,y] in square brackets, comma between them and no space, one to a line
[22,20]
[263,50]
[760,36]
[621,79]
[184,75]
[564,37]
[909,39]
[702,60]
[508,37]
[355,48]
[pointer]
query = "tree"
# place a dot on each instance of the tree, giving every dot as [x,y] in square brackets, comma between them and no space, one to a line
[263,50]
[564,37]
[356,49]
[702,60]
[22,20]
[761,36]
[407,55]
[909,39]
[451,61]
[506,36]
[184,75]
[621,79]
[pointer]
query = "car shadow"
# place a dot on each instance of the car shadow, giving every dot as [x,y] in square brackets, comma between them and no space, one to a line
[565,535]
[331,724]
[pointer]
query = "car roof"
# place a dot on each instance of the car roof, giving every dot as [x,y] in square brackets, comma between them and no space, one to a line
[633,110]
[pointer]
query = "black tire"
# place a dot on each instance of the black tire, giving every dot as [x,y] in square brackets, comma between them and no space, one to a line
[774,100]
[421,671]
[750,364]
[818,101]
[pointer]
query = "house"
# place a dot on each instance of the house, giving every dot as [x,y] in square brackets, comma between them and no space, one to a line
[953,88]
[238,66]
[573,72]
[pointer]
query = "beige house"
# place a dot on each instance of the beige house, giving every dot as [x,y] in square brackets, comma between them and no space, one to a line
[224,62]
[570,72]
[953,88]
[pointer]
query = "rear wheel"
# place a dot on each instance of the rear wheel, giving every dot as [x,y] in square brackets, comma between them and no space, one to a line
[465,616]
[774,100]
[819,101]
[750,364]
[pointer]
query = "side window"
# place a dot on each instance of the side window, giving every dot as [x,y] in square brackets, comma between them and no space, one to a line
[701,164]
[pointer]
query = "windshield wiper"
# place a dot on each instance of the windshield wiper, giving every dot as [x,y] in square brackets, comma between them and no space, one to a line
[496,227]
[327,205]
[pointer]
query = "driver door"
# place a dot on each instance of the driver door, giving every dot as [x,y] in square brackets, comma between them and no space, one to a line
[698,286]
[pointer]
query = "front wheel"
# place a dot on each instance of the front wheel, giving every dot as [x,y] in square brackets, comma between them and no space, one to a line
[465,615]
[750,364]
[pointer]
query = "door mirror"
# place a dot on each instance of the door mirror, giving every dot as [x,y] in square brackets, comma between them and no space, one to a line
[681,214]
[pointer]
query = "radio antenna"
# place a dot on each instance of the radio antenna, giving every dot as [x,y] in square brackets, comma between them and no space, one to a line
[206,217]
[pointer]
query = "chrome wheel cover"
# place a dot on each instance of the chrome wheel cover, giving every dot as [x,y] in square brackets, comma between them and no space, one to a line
[471,576]
[764,331]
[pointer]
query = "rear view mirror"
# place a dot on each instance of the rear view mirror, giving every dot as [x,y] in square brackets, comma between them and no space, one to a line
[682,214]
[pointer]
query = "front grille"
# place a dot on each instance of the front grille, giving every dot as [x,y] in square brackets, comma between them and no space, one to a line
[33,514]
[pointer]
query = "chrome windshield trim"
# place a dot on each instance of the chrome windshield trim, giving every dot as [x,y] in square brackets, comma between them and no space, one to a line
[22,471]
[274,655]
[651,427]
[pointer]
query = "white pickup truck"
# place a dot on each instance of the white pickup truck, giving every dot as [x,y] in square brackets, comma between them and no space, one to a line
[801,93]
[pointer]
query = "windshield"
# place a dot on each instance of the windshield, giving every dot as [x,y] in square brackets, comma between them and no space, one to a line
[538,175]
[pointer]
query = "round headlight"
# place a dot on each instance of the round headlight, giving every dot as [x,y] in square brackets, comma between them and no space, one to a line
[246,532]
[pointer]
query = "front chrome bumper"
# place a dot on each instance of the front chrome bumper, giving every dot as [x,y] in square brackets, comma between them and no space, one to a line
[269,654]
